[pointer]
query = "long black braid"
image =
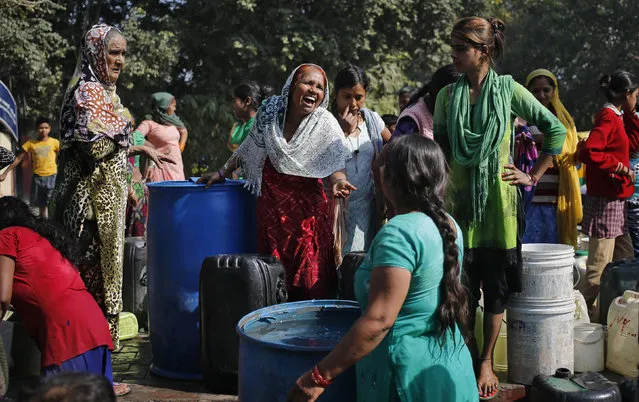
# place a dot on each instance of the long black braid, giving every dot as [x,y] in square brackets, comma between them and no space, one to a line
[416,173]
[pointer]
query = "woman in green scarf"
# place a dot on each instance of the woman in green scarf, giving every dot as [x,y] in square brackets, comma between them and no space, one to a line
[473,124]
[247,98]
[167,133]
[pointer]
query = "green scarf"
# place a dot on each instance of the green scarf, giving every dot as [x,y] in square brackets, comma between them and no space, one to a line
[241,131]
[479,150]
[160,102]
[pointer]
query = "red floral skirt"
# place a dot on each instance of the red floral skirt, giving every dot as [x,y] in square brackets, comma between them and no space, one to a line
[294,226]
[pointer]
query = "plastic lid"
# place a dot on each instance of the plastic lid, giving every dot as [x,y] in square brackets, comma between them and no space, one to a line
[581,253]
[562,373]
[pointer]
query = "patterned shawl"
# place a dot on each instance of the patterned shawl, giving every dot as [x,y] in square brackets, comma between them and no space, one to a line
[6,157]
[91,109]
[478,148]
[316,149]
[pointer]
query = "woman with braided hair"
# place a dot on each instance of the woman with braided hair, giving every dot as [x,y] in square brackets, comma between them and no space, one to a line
[409,343]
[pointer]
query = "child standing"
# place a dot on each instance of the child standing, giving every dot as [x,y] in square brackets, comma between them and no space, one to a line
[609,180]
[44,151]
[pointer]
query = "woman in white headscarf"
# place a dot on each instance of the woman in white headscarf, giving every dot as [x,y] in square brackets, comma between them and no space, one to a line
[294,144]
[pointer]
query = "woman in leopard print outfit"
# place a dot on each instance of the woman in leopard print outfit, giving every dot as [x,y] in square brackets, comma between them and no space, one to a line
[91,190]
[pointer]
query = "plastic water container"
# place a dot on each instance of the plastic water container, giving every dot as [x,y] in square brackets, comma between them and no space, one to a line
[188,223]
[581,259]
[540,337]
[581,309]
[623,351]
[128,326]
[616,278]
[563,387]
[589,348]
[500,354]
[547,271]
[280,343]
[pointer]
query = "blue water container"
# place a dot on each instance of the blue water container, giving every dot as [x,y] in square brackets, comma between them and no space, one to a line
[187,223]
[280,343]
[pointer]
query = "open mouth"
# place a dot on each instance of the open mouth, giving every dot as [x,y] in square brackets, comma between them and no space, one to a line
[309,100]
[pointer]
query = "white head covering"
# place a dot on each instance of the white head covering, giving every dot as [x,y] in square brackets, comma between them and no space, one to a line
[315,150]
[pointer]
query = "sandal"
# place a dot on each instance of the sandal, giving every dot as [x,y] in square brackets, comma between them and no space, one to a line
[121,389]
[493,394]
[489,397]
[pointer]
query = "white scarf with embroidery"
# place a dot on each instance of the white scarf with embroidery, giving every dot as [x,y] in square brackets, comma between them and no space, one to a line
[316,149]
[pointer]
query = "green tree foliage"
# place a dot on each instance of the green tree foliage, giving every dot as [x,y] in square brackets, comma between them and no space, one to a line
[579,41]
[397,42]
[199,50]
[31,50]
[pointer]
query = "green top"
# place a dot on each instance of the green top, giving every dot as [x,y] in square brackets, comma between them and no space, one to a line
[241,131]
[497,228]
[410,363]
[138,140]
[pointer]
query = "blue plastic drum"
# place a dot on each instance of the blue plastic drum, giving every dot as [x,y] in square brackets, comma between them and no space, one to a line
[187,223]
[280,343]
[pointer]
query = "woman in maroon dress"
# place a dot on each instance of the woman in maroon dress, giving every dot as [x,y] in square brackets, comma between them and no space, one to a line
[294,144]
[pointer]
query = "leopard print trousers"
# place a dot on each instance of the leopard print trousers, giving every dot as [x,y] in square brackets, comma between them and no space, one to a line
[90,201]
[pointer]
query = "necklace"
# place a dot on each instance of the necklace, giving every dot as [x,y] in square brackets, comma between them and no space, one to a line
[355,150]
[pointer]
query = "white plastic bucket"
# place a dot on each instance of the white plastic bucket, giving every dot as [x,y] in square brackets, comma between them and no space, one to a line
[589,348]
[540,337]
[623,352]
[547,271]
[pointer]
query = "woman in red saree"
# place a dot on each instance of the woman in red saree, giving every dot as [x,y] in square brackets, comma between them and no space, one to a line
[294,144]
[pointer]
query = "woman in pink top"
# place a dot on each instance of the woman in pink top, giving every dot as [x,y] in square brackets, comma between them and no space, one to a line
[417,116]
[167,133]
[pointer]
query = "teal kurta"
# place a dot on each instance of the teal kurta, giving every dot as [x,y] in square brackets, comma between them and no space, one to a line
[410,363]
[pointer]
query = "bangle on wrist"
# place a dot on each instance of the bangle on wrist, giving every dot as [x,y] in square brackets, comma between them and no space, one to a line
[318,379]
[221,173]
[533,179]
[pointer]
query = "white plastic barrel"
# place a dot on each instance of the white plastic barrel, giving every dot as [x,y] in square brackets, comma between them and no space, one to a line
[589,348]
[623,351]
[540,337]
[547,271]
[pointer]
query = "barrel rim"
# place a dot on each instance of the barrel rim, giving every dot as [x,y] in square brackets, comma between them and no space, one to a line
[546,249]
[586,326]
[191,184]
[284,308]
[541,306]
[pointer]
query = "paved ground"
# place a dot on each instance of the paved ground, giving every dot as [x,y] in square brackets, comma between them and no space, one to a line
[131,366]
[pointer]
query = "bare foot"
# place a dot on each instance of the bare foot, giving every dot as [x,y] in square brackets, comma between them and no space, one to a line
[487,382]
[121,389]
